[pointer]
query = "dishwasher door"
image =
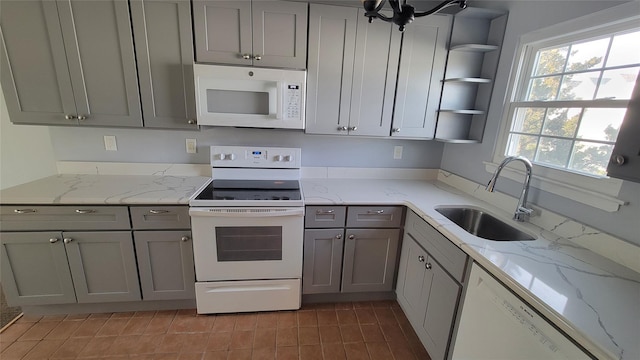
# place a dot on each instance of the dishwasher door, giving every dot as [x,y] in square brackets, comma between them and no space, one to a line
[496,325]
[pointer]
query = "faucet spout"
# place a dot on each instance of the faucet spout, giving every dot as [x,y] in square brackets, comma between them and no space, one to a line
[522,212]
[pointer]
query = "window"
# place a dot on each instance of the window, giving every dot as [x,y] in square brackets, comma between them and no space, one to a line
[571,100]
[568,96]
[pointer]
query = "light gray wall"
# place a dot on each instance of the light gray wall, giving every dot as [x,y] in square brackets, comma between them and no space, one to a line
[165,146]
[466,159]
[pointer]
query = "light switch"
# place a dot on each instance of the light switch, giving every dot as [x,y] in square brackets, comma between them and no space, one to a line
[110,143]
[191,146]
[397,152]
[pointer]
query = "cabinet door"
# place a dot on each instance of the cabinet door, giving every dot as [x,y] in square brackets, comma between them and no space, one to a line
[99,45]
[412,275]
[165,262]
[35,78]
[374,77]
[440,294]
[332,41]
[627,144]
[164,47]
[322,261]
[279,34]
[103,266]
[369,259]
[35,269]
[422,66]
[223,31]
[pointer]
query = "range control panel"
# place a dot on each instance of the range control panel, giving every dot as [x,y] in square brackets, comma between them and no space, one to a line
[255,157]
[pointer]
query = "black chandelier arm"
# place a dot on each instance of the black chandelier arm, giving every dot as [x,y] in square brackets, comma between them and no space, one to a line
[444,4]
[376,15]
[395,5]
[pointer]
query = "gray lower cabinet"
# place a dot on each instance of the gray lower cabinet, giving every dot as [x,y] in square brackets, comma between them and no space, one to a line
[258,33]
[165,264]
[322,265]
[430,284]
[164,46]
[40,268]
[69,63]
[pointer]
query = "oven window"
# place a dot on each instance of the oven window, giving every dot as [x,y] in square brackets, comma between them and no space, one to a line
[237,102]
[249,243]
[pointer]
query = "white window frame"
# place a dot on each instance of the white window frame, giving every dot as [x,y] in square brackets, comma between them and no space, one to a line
[594,191]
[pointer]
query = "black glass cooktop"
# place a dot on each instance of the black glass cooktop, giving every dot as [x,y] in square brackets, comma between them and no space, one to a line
[251,190]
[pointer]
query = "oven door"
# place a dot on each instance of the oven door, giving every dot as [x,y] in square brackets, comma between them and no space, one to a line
[247,243]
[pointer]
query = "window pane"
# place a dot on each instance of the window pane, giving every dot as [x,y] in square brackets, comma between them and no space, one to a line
[618,84]
[579,86]
[624,50]
[561,122]
[544,88]
[553,151]
[523,145]
[590,158]
[528,120]
[551,61]
[601,124]
[587,55]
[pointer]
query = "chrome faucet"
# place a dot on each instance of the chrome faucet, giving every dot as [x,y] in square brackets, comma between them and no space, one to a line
[522,212]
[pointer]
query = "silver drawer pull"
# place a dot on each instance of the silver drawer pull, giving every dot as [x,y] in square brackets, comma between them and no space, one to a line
[67,240]
[375,212]
[85,211]
[427,266]
[420,258]
[24,211]
[352,237]
[185,238]
[324,212]
[152,211]
[53,240]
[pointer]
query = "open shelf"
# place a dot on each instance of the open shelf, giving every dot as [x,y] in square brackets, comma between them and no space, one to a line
[468,80]
[474,47]
[463,112]
[458,141]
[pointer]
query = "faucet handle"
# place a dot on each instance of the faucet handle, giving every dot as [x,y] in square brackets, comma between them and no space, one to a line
[522,213]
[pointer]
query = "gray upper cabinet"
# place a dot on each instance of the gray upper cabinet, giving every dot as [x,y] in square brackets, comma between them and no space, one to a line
[35,270]
[164,46]
[69,62]
[258,33]
[422,65]
[352,72]
[625,159]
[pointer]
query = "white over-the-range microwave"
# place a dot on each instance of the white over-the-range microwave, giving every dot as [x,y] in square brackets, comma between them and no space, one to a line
[250,97]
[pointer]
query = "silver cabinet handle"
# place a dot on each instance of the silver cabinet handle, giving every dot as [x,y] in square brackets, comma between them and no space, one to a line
[191,122]
[67,240]
[324,212]
[24,211]
[53,240]
[395,130]
[152,211]
[85,211]
[69,117]
[185,238]
[427,266]
[351,237]
[352,128]
[342,128]
[420,258]
[82,117]
[339,236]
[246,56]
[257,57]
[375,212]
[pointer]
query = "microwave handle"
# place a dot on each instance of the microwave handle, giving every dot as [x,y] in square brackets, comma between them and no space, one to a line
[281,99]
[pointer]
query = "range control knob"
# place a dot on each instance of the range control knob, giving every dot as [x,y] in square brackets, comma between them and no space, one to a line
[278,158]
[219,156]
[288,158]
[230,156]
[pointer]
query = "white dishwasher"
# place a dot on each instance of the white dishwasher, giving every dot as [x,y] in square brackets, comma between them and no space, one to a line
[495,324]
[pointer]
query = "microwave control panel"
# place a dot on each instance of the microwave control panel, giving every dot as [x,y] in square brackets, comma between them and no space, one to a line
[293,101]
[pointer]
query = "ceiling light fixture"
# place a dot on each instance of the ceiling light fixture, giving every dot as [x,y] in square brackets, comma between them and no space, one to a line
[405,13]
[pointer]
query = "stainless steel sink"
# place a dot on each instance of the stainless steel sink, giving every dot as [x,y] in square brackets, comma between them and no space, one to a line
[481,224]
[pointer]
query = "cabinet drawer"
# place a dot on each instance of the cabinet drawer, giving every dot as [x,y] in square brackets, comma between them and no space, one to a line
[63,217]
[325,216]
[452,259]
[374,216]
[160,217]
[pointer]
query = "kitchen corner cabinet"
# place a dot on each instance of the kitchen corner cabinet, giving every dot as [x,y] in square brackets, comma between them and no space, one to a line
[164,46]
[350,249]
[422,66]
[69,63]
[352,72]
[476,39]
[258,33]
[625,159]
[430,278]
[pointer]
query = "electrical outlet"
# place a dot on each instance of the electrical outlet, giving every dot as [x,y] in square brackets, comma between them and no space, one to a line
[191,146]
[397,152]
[110,143]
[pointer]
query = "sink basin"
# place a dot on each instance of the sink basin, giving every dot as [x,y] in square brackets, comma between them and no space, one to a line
[481,224]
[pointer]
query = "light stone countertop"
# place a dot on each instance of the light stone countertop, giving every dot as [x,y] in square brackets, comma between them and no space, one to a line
[593,299]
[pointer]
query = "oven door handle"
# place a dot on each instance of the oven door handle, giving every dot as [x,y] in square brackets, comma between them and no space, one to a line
[245,213]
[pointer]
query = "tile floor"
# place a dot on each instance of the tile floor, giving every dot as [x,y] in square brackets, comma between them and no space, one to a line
[359,330]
